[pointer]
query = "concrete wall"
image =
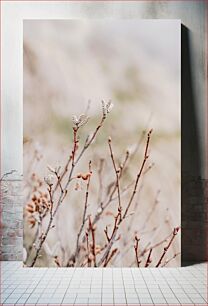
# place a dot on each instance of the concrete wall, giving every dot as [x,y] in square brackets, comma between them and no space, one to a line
[194,109]
[11,220]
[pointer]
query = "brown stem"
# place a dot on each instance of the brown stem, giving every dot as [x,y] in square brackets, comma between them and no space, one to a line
[111,239]
[110,257]
[136,247]
[139,174]
[30,248]
[137,203]
[116,172]
[84,213]
[175,232]
[92,230]
[111,198]
[168,260]
[58,183]
[89,141]
[43,237]
[75,143]
[122,166]
[146,249]
[106,234]
[64,172]
[51,199]
[120,217]
[148,262]
[88,252]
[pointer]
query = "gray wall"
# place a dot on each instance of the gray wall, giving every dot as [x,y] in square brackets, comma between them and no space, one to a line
[194,108]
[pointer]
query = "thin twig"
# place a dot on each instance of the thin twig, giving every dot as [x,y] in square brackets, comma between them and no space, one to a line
[111,239]
[168,260]
[89,141]
[92,230]
[147,248]
[148,262]
[136,247]
[88,252]
[122,165]
[30,248]
[116,172]
[51,199]
[139,174]
[137,202]
[84,212]
[64,172]
[175,232]
[110,257]
[59,182]
[120,217]
[103,206]
[75,144]
[6,174]
[44,235]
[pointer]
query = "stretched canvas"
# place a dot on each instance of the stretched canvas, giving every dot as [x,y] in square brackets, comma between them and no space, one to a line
[102,133]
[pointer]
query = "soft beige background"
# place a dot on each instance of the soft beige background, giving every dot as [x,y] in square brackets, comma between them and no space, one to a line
[134,63]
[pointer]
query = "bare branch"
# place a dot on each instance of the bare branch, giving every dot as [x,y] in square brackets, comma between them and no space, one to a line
[44,235]
[84,213]
[116,172]
[148,262]
[93,247]
[74,163]
[139,174]
[111,239]
[168,260]
[136,247]
[110,257]
[175,232]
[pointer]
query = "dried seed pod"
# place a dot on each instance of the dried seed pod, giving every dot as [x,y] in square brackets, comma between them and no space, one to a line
[34,198]
[49,179]
[30,209]
[32,221]
[106,107]
[79,121]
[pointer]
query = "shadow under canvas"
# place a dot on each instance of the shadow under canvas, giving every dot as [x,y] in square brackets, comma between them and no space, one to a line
[193,201]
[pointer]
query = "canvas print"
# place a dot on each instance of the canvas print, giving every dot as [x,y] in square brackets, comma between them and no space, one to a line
[102,134]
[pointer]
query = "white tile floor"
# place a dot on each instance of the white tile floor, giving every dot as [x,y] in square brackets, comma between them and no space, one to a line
[126,286]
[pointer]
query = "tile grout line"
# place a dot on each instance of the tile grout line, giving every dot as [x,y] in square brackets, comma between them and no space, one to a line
[182,287]
[147,288]
[123,284]
[74,269]
[179,303]
[192,278]
[135,287]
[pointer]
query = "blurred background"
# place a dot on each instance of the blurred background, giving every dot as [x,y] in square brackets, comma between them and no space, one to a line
[69,67]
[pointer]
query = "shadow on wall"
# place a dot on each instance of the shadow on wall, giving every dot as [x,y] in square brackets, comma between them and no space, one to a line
[193,201]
